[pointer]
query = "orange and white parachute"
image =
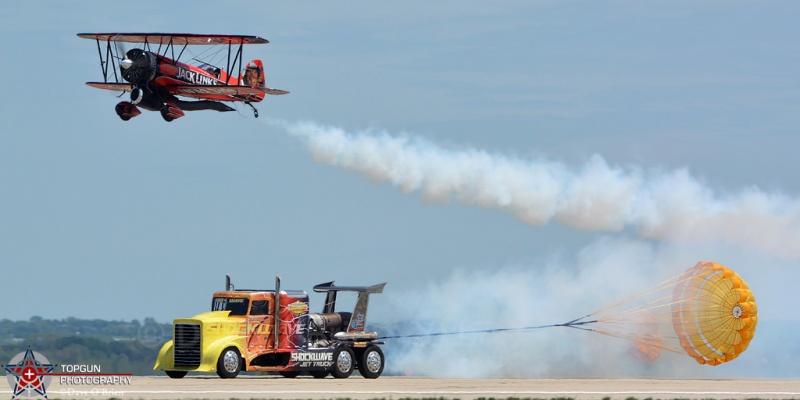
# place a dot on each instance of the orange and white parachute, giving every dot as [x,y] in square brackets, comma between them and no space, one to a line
[708,312]
[714,314]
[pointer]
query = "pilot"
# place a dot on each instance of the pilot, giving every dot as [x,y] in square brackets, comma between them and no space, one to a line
[211,69]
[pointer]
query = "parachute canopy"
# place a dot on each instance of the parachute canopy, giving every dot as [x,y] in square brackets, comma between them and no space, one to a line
[714,313]
[707,312]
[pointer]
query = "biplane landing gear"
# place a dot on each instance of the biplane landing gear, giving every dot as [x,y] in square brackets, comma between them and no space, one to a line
[169,111]
[255,112]
[126,110]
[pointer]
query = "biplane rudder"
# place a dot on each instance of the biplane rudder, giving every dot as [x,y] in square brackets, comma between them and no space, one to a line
[253,75]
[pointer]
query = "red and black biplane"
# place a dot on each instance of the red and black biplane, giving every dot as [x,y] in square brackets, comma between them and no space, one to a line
[155,77]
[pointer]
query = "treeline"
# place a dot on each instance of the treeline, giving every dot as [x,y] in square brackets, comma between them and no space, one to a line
[117,346]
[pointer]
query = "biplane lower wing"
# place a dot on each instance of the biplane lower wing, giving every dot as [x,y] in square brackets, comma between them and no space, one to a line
[195,91]
[275,91]
[118,87]
[203,91]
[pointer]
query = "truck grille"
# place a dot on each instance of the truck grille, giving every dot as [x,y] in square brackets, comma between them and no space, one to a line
[187,345]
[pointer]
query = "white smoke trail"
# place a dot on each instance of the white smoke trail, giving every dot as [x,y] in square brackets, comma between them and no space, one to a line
[669,206]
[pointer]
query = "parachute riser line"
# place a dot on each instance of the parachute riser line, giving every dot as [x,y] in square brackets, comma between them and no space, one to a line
[575,323]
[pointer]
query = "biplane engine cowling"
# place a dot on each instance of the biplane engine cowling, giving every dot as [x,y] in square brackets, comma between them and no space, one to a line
[139,66]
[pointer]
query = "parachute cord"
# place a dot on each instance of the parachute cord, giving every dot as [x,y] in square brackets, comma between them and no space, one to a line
[576,323]
[647,340]
[629,314]
[664,285]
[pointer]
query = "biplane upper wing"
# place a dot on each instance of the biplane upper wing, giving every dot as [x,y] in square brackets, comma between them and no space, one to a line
[177,39]
[119,87]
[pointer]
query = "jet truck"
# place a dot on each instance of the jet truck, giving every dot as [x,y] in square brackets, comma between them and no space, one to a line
[272,331]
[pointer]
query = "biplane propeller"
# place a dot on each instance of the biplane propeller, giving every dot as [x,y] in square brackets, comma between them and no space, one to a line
[157,80]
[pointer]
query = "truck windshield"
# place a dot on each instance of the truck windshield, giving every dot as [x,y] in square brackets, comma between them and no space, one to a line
[236,305]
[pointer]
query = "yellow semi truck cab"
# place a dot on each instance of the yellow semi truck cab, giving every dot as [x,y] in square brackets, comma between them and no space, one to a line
[273,331]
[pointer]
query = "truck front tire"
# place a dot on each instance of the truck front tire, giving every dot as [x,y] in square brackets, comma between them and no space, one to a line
[370,365]
[176,374]
[343,362]
[229,364]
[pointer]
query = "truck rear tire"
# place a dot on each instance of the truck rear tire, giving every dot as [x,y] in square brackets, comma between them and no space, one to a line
[343,362]
[370,365]
[319,374]
[229,364]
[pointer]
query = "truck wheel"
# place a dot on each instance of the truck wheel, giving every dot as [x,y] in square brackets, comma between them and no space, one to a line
[319,374]
[229,363]
[370,365]
[343,362]
[290,374]
[176,374]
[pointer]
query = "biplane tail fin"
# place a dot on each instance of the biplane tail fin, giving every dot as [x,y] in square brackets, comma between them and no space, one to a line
[253,74]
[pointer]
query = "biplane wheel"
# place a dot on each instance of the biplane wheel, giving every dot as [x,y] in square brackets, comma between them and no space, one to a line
[120,109]
[255,112]
[165,114]
[171,112]
[126,110]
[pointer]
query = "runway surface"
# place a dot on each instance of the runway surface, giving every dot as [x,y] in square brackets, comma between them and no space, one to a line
[407,387]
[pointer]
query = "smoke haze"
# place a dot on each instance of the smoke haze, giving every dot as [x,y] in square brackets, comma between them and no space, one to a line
[520,296]
[677,221]
[559,290]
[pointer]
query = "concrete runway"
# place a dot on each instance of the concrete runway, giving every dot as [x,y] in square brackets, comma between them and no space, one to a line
[273,387]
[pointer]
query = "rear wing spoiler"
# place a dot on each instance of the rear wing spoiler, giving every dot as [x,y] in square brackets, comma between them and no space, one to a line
[359,317]
[329,286]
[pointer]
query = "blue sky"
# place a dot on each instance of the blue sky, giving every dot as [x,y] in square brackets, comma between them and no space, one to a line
[121,220]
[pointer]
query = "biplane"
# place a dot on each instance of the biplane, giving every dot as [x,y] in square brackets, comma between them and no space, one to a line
[157,80]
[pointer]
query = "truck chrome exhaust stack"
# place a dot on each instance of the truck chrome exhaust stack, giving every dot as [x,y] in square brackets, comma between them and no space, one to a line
[277,309]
